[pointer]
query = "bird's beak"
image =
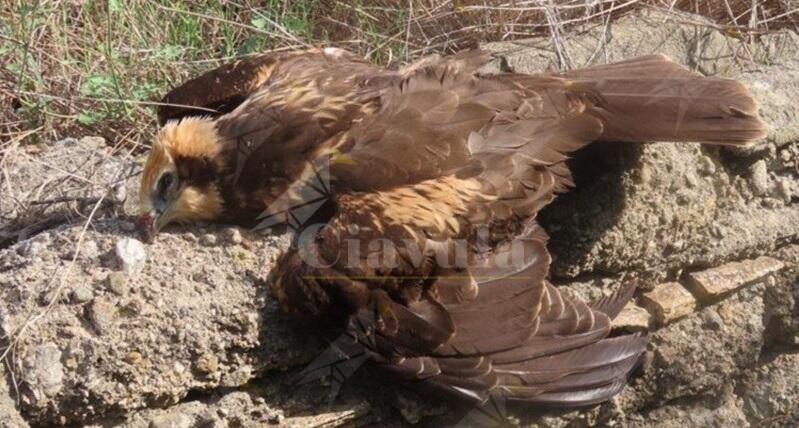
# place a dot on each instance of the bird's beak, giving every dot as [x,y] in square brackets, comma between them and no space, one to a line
[148,225]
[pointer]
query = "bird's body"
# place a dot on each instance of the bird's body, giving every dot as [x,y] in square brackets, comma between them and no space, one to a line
[428,180]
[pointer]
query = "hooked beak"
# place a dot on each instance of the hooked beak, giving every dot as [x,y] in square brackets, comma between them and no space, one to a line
[147,224]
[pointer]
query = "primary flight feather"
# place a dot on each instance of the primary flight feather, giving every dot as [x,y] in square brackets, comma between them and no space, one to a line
[422,186]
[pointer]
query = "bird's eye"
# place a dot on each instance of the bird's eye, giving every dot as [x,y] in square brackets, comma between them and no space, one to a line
[165,182]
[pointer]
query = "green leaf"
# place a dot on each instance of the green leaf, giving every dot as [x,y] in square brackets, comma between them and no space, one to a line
[250,45]
[169,52]
[114,6]
[90,117]
[13,67]
[259,22]
[97,85]
[296,25]
[145,91]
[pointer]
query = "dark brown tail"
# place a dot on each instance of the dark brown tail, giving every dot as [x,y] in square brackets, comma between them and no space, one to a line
[652,98]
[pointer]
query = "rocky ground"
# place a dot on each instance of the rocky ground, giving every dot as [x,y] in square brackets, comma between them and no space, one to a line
[101,330]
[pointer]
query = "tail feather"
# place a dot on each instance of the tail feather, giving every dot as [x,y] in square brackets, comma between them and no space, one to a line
[654,99]
[612,304]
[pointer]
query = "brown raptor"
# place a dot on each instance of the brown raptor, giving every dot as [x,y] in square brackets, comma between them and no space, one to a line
[425,185]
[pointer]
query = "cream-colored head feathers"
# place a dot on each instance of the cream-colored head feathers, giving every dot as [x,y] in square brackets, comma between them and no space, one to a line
[186,139]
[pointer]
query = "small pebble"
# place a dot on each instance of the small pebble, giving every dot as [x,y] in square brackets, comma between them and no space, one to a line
[116,282]
[784,190]
[118,193]
[89,250]
[275,417]
[93,142]
[102,315]
[691,180]
[207,363]
[234,236]
[81,294]
[133,358]
[644,174]
[707,166]
[131,254]
[208,239]
[759,178]
[45,373]
[684,197]
[712,320]
[171,420]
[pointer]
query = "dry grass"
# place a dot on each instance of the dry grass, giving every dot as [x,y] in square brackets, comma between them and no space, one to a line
[84,67]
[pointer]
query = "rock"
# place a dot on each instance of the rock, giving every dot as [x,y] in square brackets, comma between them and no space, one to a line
[131,254]
[275,417]
[693,358]
[771,391]
[350,415]
[118,194]
[712,320]
[711,283]
[632,316]
[93,142]
[723,411]
[207,363]
[208,240]
[116,282]
[242,409]
[784,190]
[89,249]
[172,420]
[759,178]
[124,345]
[82,294]
[782,301]
[706,165]
[133,358]
[103,315]
[68,170]
[668,302]
[44,374]
[233,236]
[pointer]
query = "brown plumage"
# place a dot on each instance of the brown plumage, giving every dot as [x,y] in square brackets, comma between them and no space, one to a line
[421,157]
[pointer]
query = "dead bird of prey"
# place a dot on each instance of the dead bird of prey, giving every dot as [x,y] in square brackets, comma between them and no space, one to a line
[420,160]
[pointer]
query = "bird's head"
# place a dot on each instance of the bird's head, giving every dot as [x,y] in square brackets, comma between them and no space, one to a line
[179,182]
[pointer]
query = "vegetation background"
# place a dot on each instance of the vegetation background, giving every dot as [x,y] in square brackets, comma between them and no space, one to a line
[98,67]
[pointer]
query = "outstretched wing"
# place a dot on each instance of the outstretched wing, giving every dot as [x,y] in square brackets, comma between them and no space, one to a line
[224,88]
[220,90]
[495,326]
